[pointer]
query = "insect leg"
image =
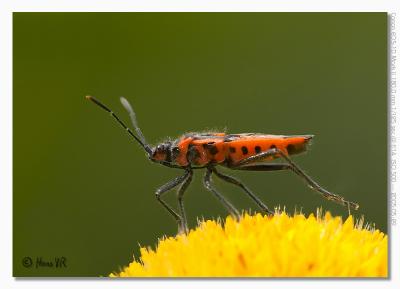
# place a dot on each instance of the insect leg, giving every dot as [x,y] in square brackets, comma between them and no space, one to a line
[257,157]
[165,188]
[242,165]
[263,167]
[316,187]
[181,191]
[238,183]
[207,183]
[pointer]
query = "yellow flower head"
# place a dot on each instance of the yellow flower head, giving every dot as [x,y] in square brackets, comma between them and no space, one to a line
[262,246]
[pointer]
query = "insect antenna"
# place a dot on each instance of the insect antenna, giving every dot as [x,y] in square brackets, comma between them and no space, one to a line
[140,139]
[132,115]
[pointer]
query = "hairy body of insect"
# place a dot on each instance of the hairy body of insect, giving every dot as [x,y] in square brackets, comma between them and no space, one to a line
[247,151]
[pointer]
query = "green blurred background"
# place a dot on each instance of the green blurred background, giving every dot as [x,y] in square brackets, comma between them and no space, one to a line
[85,191]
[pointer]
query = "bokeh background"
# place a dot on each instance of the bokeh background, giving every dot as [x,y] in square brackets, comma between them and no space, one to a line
[85,191]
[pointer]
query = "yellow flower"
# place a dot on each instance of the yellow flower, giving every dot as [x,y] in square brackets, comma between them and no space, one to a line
[261,246]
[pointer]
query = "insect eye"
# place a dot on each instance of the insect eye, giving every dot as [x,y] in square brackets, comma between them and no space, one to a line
[175,152]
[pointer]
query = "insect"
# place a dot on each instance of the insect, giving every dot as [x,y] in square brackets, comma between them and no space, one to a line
[245,151]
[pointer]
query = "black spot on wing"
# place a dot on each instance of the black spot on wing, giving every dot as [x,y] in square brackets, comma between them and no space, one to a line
[257,149]
[210,146]
[192,154]
[245,151]
[290,149]
[213,150]
[232,150]
[295,149]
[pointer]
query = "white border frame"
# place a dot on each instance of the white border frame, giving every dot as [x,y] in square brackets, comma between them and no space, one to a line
[9,6]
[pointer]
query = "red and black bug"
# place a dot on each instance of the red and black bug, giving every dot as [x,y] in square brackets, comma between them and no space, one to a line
[246,151]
